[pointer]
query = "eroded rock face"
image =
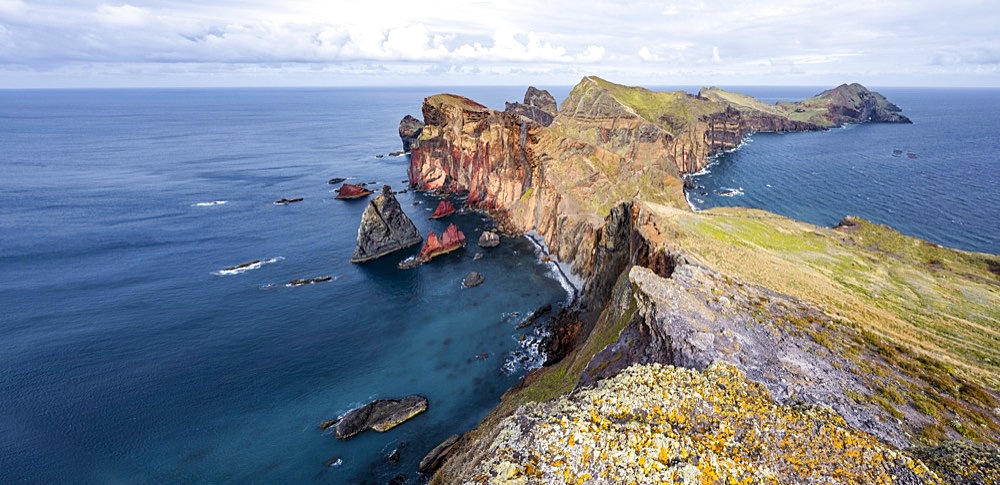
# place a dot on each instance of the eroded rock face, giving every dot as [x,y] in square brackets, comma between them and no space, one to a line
[384,228]
[409,131]
[538,106]
[381,416]
[662,424]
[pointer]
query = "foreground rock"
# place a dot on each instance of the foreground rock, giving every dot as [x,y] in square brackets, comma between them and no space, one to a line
[409,131]
[381,416]
[384,228]
[489,239]
[351,191]
[451,239]
[656,424]
[443,209]
[473,279]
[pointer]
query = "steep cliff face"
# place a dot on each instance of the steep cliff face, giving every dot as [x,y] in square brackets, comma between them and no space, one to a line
[538,106]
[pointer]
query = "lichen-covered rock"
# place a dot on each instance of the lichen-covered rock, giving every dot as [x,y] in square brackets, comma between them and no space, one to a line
[409,131]
[384,228]
[964,463]
[381,416]
[661,424]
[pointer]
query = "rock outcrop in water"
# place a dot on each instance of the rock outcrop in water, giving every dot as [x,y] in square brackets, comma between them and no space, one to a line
[351,191]
[381,416]
[443,209]
[409,131]
[384,228]
[451,239]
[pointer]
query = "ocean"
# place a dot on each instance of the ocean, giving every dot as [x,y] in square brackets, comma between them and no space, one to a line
[127,355]
[947,193]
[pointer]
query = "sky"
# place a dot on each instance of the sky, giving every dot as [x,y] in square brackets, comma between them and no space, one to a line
[145,43]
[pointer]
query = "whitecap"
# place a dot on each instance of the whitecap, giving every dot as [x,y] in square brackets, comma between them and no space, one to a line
[730,192]
[209,204]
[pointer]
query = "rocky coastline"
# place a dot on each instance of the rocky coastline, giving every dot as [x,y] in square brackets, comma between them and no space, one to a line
[602,186]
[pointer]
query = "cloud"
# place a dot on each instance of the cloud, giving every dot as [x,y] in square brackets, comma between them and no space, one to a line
[715,55]
[646,55]
[593,53]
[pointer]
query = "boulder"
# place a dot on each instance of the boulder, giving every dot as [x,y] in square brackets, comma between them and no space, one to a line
[535,315]
[351,191]
[443,209]
[384,228]
[489,239]
[381,416]
[409,131]
[473,279]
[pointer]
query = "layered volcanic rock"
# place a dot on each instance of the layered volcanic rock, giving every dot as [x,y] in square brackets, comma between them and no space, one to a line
[538,106]
[351,191]
[451,239]
[409,131]
[384,228]
[443,209]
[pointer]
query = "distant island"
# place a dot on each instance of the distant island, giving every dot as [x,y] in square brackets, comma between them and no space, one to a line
[720,345]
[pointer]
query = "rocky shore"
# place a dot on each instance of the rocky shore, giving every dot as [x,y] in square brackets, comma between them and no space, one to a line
[816,327]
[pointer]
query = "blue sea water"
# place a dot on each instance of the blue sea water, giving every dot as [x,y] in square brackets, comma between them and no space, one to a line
[126,358]
[949,193]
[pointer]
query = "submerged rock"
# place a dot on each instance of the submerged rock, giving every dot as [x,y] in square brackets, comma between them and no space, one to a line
[473,279]
[489,239]
[384,228]
[409,131]
[284,201]
[443,209]
[351,191]
[381,416]
[335,180]
[308,281]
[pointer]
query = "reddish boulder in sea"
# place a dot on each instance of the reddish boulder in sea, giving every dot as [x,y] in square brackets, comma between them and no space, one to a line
[450,240]
[351,191]
[443,209]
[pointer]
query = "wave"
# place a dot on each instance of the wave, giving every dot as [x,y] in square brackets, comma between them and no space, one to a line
[210,203]
[529,356]
[243,268]
[730,192]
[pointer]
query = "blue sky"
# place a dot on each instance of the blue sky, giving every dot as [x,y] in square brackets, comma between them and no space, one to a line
[461,42]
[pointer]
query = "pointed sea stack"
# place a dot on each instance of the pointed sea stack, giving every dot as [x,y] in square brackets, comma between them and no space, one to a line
[443,209]
[351,191]
[384,228]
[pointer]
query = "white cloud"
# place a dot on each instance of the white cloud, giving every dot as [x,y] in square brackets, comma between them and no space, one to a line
[646,55]
[592,53]
[762,39]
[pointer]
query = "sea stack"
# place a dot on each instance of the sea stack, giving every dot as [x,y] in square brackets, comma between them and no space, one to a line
[384,228]
[450,240]
[443,209]
[409,131]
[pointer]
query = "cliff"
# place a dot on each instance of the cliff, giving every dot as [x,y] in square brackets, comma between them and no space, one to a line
[859,320]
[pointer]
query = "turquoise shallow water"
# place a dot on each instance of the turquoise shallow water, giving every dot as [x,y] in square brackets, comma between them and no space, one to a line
[124,357]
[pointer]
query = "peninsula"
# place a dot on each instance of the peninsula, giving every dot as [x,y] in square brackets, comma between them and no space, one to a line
[720,345]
